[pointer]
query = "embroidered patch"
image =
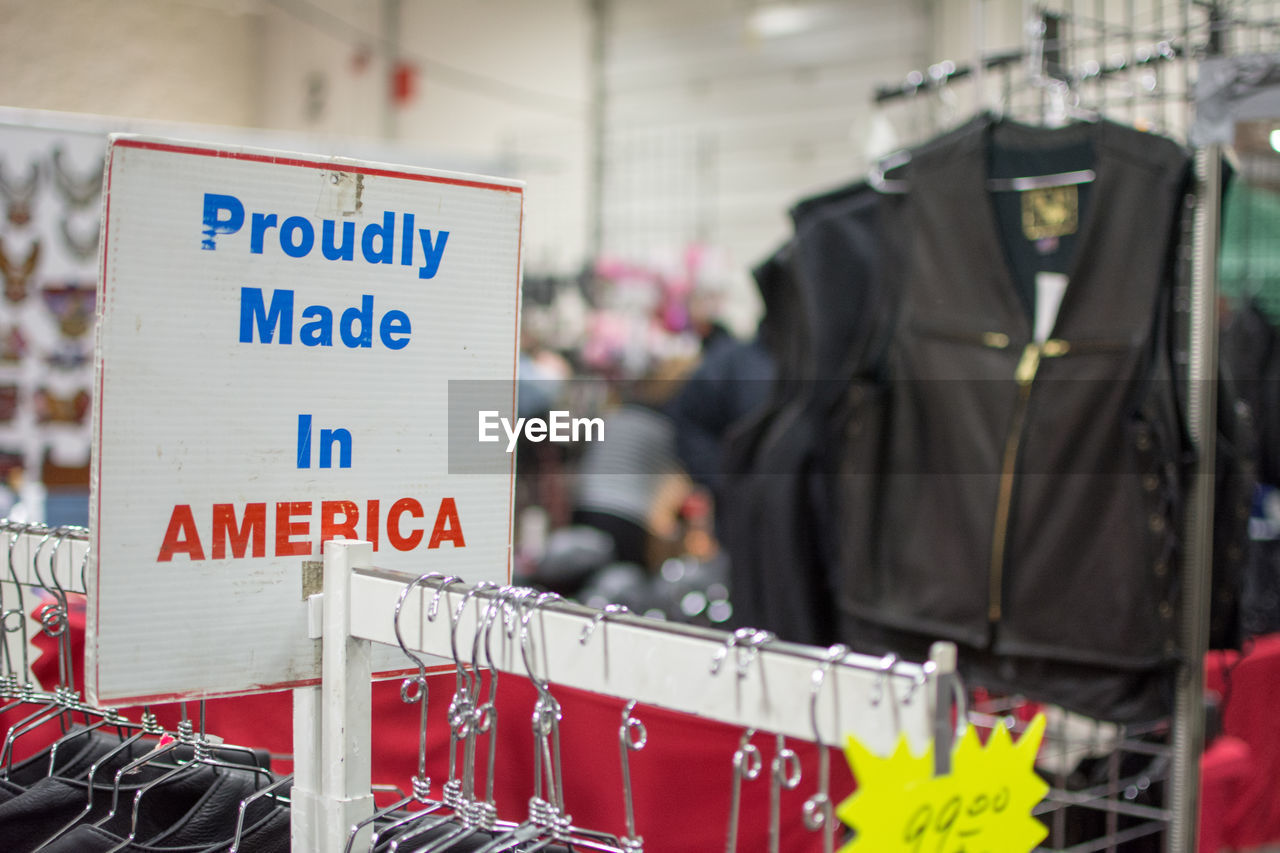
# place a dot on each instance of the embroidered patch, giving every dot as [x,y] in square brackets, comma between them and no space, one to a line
[1050,212]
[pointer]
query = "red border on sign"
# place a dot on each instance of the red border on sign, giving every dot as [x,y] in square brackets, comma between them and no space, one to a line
[223,154]
[200,151]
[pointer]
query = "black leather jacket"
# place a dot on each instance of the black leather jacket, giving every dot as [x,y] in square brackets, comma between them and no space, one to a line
[1022,498]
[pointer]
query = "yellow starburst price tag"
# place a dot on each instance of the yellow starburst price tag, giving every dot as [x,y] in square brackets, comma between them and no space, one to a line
[982,806]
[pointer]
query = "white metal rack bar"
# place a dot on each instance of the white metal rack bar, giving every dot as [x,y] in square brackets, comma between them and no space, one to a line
[34,555]
[50,557]
[755,685]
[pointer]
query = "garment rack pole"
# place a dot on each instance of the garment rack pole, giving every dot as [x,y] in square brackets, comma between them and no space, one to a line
[757,683]
[1188,714]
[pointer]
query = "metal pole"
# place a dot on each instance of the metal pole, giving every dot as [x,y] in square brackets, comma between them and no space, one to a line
[595,202]
[979,46]
[1197,558]
[390,59]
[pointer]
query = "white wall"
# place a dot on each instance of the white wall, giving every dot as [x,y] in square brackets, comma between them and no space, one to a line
[502,86]
[714,130]
[178,60]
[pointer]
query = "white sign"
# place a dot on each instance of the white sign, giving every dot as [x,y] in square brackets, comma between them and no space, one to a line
[276,338]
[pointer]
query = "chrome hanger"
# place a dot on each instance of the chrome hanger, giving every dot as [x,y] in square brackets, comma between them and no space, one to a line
[546,822]
[784,774]
[590,628]
[819,811]
[878,180]
[459,789]
[201,756]
[20,688]
[148,726]
[59,704]
[747,765]
[412,691]
[480,815]
[627,743]
[269,791]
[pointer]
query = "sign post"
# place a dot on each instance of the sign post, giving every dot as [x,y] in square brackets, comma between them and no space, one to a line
[276,338]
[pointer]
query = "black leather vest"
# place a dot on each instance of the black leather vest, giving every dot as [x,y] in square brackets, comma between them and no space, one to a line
[1027,491]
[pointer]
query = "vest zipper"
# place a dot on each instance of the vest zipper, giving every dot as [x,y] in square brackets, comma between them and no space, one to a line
[1024,375]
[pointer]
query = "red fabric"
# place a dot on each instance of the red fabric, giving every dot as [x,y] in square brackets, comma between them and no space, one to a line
[1249,690]
[1225,770]
[681,780]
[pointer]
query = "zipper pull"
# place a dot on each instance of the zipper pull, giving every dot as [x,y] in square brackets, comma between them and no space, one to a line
[1028,364]
[1031,355]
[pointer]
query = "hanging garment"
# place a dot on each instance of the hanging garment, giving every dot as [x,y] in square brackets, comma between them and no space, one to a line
[266,831]
[198,805]
[75,754]
[784,551]
[1029,473]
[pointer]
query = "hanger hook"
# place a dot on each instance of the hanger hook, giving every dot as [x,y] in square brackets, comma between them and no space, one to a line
[53,616]
[920,680]
[601,616]
[887,665]
[462,708]
[421,680]
[747,765]
[784,774]
[18,625]
[442,588]
[421,782]
[632,737]
[818,808]
[542,685]
[455,618]
[834,654]
[546,716]
[748,642]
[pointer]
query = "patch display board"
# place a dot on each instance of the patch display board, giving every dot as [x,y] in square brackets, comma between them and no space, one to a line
[276,338]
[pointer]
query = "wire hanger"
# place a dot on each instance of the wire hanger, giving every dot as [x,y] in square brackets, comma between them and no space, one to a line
[463,723]
[148,726]
[878,180]
[1063,108]
[412,691]
[202,757]
[19,687]
[546,821]
[745,643]
[58,705]
[627,743]
[747,765]
[784,774]
[819,811]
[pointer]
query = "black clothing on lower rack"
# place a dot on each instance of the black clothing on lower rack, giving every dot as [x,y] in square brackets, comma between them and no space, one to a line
[75,754]
[266,831]
[198,805]
[468,844]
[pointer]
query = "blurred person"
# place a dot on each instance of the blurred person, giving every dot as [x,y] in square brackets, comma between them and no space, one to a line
[631,485]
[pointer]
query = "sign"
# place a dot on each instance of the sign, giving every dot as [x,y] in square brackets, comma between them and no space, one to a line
[982,806]
[276,338]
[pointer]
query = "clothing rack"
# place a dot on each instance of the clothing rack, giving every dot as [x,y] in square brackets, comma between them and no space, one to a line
[743,679]
[1182,42]
[918,82]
